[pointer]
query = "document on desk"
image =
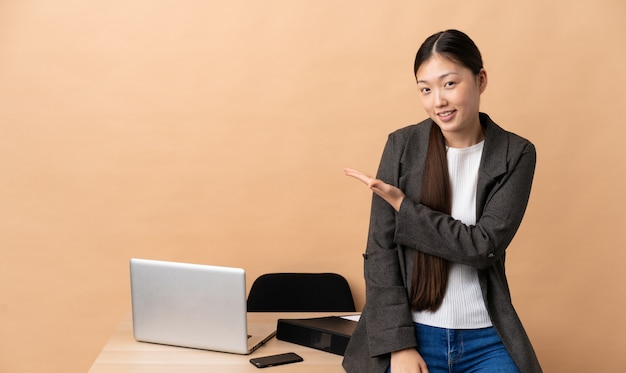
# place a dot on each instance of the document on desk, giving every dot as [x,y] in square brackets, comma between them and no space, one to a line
[352,317]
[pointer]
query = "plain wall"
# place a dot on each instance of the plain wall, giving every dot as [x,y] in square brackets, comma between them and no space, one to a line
[216,132]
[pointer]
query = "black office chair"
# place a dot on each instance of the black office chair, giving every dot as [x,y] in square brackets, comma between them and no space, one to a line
[300,292]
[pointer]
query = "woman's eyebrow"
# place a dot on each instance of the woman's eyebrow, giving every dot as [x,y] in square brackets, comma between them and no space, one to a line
[441,77]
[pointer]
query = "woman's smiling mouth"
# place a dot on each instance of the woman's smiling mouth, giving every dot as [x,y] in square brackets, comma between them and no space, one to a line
[446,115]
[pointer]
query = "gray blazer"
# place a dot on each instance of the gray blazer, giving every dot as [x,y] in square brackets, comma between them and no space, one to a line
[504,182]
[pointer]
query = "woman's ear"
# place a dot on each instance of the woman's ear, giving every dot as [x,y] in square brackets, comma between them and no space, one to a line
[482,80]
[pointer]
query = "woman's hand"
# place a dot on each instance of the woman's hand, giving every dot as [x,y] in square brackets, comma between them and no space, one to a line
[389,193]
[408,361]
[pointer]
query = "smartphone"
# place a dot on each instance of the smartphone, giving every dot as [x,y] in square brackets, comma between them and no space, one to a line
[273,360]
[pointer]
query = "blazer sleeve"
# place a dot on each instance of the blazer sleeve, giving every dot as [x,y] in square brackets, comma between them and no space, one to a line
[480,245]
[389,318]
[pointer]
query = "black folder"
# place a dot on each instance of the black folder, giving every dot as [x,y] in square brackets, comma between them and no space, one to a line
[330,334]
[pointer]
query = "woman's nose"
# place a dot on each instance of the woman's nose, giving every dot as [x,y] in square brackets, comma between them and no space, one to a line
[440,99]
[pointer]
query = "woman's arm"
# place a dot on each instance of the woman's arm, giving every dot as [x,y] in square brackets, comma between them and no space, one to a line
[479,245]
[438,234]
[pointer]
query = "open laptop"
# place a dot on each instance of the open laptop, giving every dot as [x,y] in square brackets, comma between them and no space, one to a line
[193,305]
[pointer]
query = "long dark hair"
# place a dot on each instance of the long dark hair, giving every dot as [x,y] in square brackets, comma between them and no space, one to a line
[430,273]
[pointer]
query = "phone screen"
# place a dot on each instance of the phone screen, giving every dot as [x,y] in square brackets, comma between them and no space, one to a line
[270,361]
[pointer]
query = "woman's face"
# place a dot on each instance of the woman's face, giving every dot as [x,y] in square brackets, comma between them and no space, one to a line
[450,94]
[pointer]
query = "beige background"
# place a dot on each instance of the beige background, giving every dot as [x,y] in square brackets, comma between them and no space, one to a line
[216,132]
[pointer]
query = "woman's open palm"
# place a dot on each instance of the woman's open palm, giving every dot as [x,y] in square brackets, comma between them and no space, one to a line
[393,195]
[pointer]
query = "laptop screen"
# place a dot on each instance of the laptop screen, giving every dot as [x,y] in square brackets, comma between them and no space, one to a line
[189,305]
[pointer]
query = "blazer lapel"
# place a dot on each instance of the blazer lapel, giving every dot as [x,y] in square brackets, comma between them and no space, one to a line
[493,162]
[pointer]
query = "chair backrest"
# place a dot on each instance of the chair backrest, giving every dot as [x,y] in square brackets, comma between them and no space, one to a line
[300,292]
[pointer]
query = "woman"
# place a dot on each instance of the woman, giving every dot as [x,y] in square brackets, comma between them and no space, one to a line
[449,195]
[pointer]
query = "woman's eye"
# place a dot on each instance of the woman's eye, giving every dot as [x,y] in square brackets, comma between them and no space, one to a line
[449,84]
[425,90]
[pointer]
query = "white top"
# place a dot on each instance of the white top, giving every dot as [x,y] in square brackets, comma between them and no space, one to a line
[463,306]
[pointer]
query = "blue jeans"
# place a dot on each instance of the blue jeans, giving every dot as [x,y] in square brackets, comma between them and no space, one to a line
[462,351]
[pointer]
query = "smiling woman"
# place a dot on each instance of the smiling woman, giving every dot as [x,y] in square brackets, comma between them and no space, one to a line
[436,247]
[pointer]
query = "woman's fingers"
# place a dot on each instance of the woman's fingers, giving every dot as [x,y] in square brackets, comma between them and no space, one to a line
[366,179]
[389,193]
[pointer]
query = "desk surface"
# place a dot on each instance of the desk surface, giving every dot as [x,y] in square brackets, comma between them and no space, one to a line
[123,354]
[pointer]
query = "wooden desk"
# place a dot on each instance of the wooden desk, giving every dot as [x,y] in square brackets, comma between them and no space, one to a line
[122,354]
